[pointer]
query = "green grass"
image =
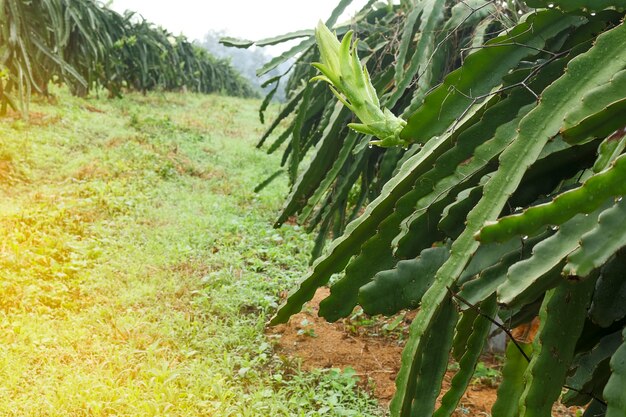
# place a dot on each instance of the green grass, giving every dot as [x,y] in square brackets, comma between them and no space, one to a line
[138,267]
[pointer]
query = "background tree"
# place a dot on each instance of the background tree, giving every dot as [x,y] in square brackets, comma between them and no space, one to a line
[88,46]
[247,62]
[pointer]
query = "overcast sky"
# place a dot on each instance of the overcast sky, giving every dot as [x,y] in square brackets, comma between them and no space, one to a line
[249,19]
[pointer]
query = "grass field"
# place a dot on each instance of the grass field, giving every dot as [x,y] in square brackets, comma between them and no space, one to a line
[138,267]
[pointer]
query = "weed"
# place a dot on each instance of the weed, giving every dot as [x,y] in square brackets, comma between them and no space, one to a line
[306,329]
[361,323]
[486,375]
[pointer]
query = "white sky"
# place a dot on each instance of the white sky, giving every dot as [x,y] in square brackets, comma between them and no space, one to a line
[248,19]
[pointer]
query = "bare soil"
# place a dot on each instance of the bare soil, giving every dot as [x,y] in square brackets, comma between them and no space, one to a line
[376,359]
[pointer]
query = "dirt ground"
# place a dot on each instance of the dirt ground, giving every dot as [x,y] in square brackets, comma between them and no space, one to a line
[375,358]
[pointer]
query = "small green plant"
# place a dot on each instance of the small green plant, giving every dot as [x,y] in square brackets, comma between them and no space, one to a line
[361,323]
[486,375]
[306,329]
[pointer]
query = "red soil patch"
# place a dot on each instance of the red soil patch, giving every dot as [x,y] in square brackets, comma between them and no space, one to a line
[329,345]
[376,359]
[34,118]
[6,171]
[93,109]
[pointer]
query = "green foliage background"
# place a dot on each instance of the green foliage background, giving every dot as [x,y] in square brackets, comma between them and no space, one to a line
[88,46]
[515,111]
